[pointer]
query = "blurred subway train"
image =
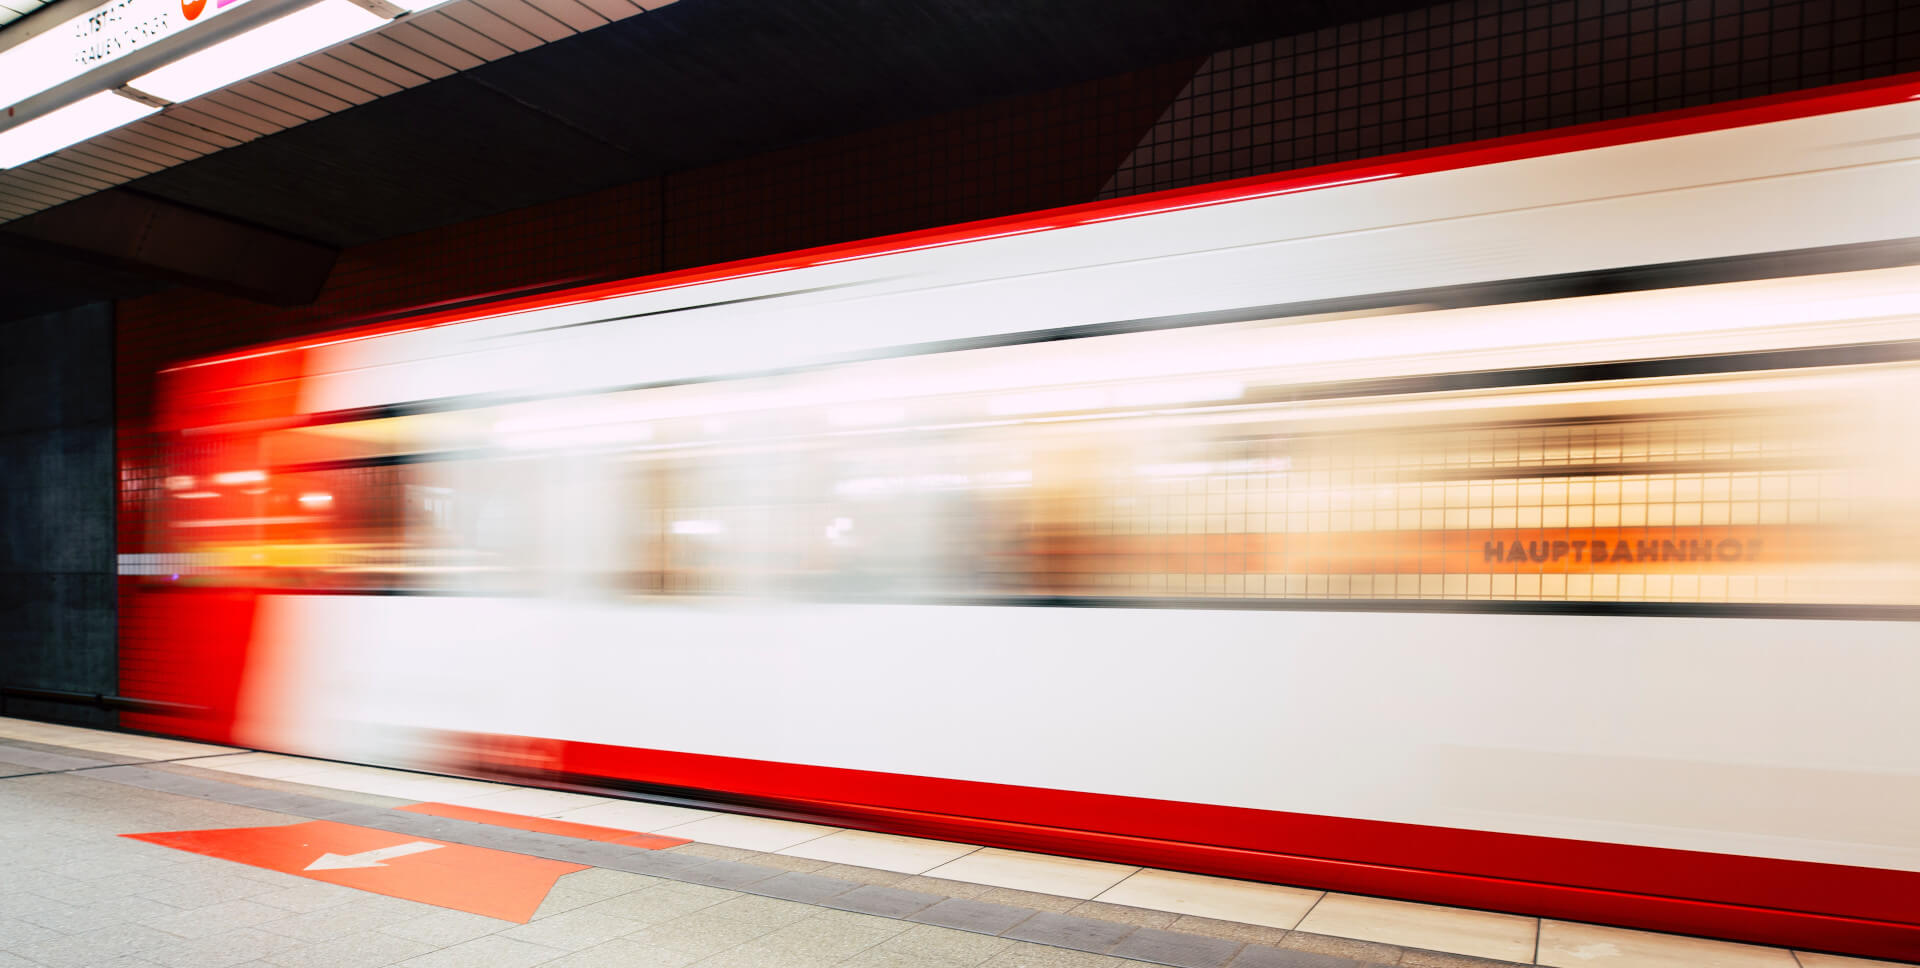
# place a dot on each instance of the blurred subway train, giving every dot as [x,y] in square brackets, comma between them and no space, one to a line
[1532,524]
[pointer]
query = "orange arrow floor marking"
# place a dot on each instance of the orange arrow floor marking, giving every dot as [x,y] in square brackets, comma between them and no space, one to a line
[544,825]
[478,880]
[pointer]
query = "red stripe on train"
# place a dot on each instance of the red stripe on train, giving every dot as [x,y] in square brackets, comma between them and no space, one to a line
[1855,910]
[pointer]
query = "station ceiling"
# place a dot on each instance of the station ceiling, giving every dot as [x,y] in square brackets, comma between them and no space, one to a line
[688,84]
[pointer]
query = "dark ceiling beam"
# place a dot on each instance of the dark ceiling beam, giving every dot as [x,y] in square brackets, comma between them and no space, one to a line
[128,233]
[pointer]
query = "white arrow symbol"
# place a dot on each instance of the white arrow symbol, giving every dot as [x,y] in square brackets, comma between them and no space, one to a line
[370,858]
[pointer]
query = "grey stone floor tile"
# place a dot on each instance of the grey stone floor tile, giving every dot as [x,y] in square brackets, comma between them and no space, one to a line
[1366,952]
[884,901]
[651,906]
[560,900]
[770,911]
[443,927]
[353,813]
[215,918]
[941,885]
[882,956]
[205,891]
[94,946]
[102,961]
[15,932]
[1028,899]
[531,841]
[44,761]
[656,863]
[1421,958]
[1229,930]
[592,853]
[573,930]
[1125,914]
[622,953]
[220,950]
[699,934]
[137,910]
[104,891]
[1181,950]
[931,943]
[417,824]
[260,875]
[971,915]
[354,917]
[39,878]
[1023,955]
[496,838]
[862,875]
[358,949]
[747,956]
[488,952]
[605,882]
[134,776]
[105,867]
[827,938]
[66,918]
[713,852]
[1068,931]
[726,874]
[714,894]
[27,744]
[855,918]
[1265,956]
[799,865]
[310,896]
[295,803]
[809,888]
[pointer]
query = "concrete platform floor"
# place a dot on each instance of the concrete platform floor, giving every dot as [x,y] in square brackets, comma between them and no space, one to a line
[744,892]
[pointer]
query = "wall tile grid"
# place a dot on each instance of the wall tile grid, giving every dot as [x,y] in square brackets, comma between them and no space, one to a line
[1487,68]
[1477,69]
[56,543]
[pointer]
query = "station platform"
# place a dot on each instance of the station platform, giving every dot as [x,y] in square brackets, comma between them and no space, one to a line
[127,851]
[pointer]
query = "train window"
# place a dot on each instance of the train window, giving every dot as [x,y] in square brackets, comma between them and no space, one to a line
[1007,474]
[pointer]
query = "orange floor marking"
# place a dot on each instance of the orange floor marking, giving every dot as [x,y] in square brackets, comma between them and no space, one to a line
[493,883]
[543,825]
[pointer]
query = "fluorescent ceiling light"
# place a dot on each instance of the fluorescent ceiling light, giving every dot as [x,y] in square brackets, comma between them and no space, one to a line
[415,6]
[72,124]
[264,47]
[91,39]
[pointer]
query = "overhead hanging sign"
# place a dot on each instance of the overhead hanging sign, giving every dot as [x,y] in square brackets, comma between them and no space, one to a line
[94,39]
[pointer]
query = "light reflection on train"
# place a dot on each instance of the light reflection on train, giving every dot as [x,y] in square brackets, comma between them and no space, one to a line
[1101,534]
[1769,487]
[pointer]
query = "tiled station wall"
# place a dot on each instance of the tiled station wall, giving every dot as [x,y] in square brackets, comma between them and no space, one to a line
[56,496]
[1451,73]
[1476,69]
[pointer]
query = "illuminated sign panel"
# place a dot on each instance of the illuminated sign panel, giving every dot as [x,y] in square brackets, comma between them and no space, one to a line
[94,39]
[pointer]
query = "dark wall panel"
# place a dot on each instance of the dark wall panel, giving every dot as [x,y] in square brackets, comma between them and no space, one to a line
[1474,69]
[57,608]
